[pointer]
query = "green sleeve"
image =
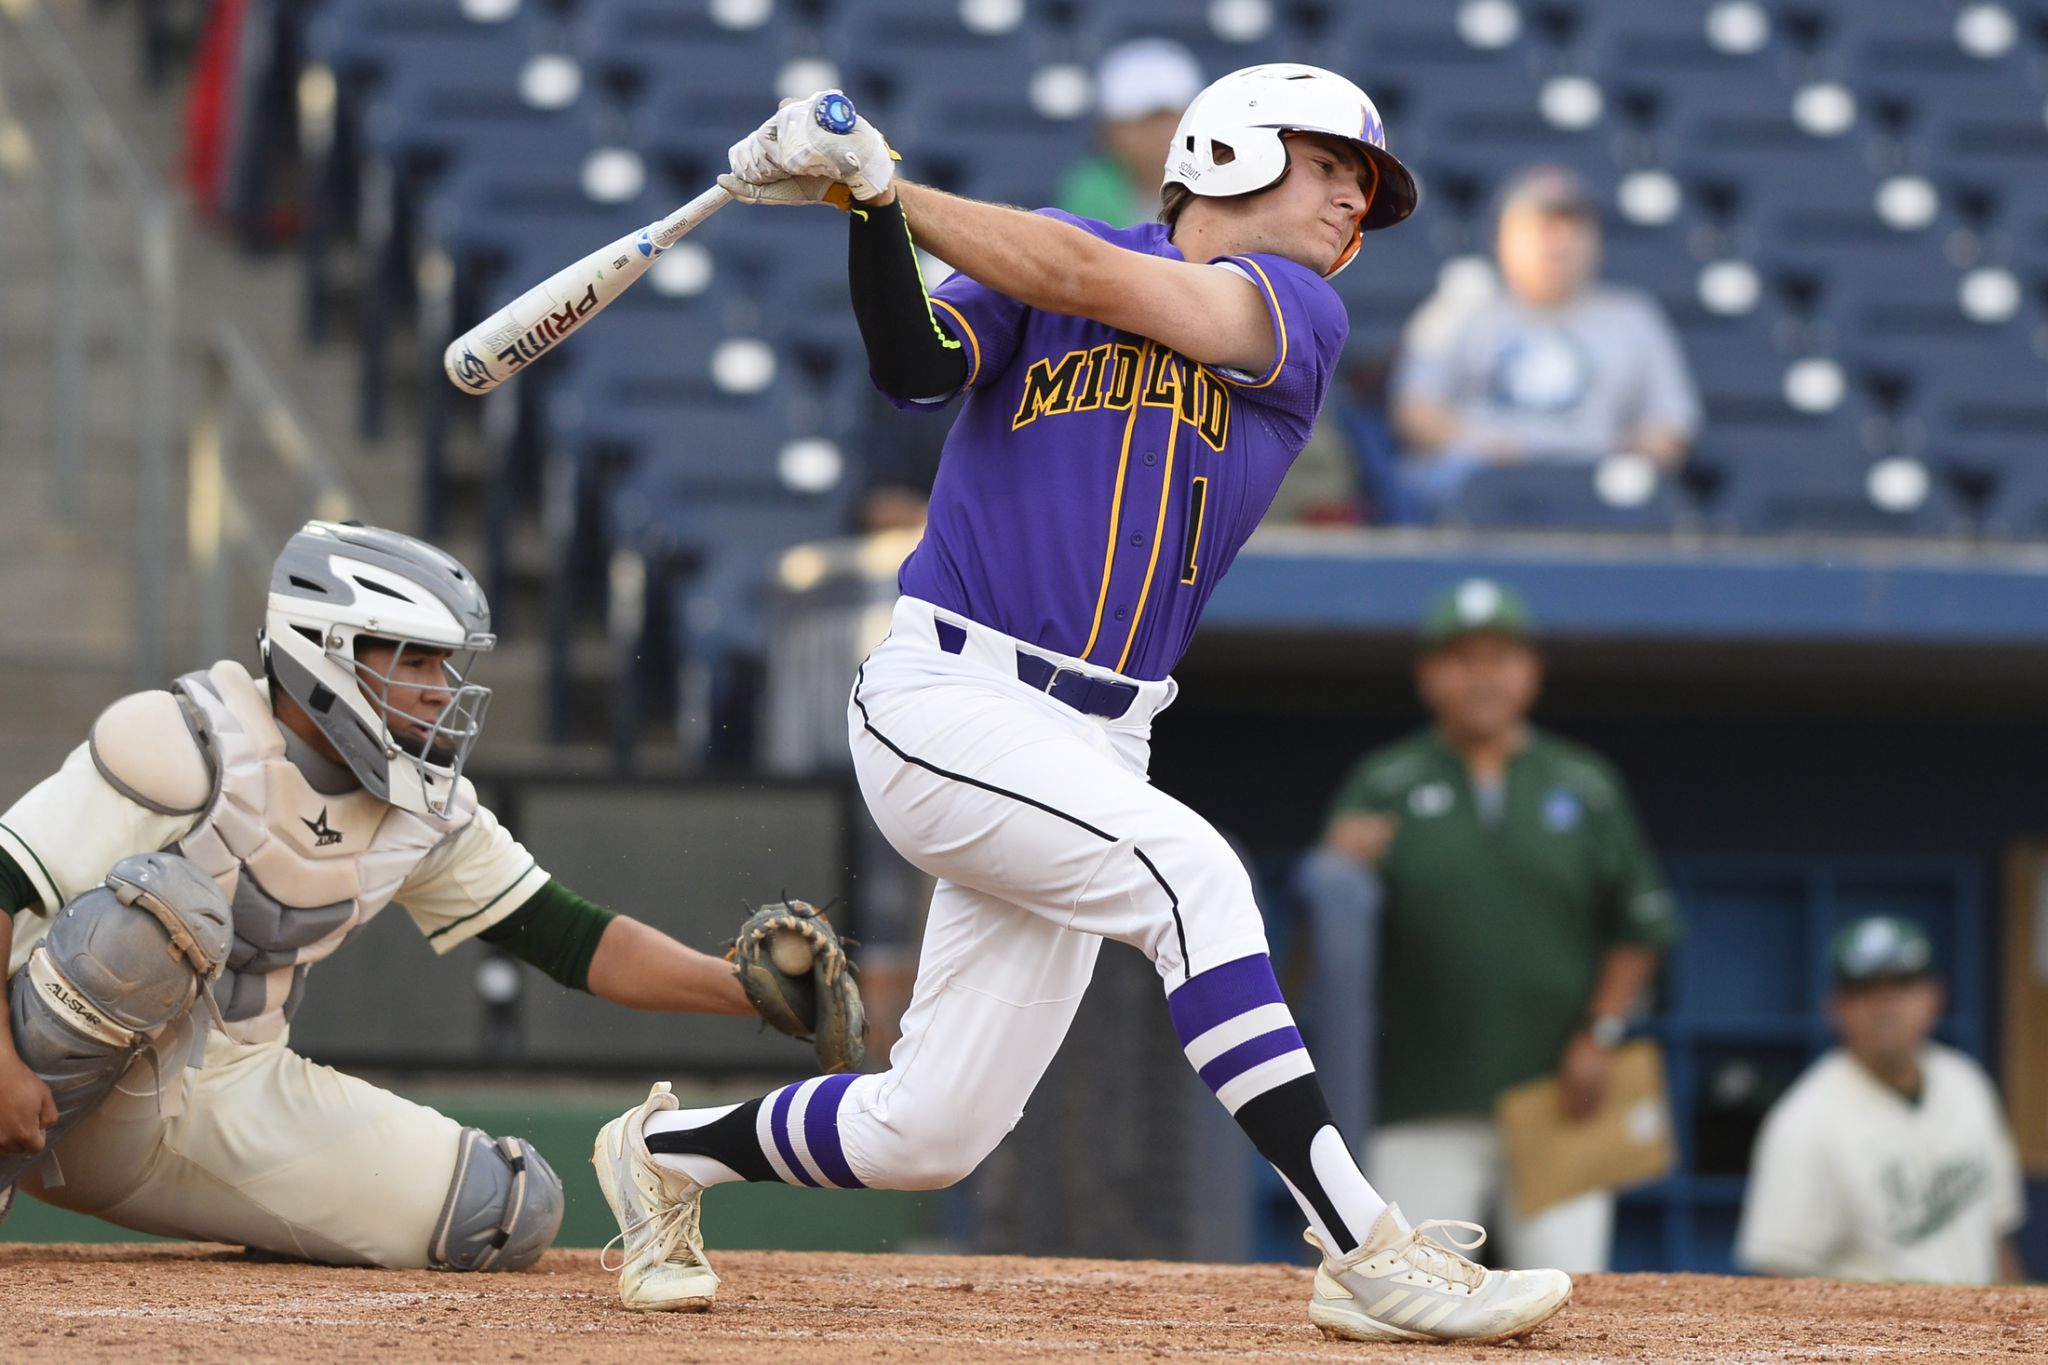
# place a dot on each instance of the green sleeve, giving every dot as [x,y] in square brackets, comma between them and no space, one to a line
[1641,910]
[556,930]
[1095,188]
[17,892]
[1359,791]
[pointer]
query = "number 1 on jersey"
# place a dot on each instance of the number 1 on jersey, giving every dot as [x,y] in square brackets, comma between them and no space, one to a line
[1198,497]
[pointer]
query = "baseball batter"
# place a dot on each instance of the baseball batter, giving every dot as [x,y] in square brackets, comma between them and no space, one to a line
[1132,400]
[172,885]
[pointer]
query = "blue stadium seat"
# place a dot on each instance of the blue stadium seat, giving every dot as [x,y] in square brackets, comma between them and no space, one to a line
[2018,509]
[1103,26]
[1910,53]
[366,44]
[1422,43]
[708,567]
[363,40]
[1999,149]
[1663,42]
[991,148]
[1560,497]
[1981,395]
[638,48]
[1394,272]
[1658,261]
[1798,496]
[1737,364]
[1848,250]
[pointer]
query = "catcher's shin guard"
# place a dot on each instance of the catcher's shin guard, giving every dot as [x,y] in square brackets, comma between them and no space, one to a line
[122,963]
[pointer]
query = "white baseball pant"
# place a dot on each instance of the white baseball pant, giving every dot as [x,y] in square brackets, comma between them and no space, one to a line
[1045,837]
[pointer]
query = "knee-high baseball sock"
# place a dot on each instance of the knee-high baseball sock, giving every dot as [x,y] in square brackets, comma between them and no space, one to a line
[790,1135]
[1239,1036]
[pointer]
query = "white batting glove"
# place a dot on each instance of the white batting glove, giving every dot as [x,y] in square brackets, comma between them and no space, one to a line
[789,191]
[794,143]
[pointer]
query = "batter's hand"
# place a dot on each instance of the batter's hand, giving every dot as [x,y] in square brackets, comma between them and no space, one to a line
[26,1108]
[791,191]
[1582,1076]
[793,143]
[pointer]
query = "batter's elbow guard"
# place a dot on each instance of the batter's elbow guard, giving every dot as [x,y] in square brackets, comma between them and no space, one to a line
[504,1206]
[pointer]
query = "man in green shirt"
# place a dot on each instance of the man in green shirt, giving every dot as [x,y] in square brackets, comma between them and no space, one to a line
[1519,918]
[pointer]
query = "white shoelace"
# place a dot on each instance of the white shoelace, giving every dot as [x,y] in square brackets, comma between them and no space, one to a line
[664,1222]
[1443,1261]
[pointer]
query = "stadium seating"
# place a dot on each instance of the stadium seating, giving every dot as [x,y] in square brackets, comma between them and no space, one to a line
[1838,202]
[1519,497]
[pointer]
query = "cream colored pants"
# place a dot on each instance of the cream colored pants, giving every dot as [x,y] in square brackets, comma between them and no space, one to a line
[270,1151]
[1454,1168]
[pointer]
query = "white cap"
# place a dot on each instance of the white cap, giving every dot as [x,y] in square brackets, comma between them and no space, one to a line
[1146,76]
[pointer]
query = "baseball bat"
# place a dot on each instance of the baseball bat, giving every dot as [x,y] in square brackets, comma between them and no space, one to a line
[528,328]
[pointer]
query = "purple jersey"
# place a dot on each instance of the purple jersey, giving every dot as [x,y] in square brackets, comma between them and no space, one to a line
[1096,485]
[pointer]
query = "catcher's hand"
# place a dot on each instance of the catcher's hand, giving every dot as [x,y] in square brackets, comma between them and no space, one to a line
[793,144]
[793,968]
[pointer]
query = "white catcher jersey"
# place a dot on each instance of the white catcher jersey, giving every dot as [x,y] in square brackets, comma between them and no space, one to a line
[1852,1181]
[302,869]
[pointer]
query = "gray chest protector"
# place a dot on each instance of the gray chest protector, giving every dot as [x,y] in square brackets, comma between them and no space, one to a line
[300,868]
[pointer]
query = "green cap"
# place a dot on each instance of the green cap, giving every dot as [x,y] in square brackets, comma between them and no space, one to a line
[1883,947]
[1474,605]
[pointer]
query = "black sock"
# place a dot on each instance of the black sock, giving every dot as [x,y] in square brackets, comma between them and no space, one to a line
[730,1139]
[1282,1124]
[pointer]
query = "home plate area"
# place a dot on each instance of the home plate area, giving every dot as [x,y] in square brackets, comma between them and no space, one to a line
[199,1302]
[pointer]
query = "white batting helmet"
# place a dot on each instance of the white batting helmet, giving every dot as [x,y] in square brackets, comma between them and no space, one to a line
[1231,139]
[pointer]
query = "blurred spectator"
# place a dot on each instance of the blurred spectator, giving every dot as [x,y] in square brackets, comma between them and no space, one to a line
[1547,363]
[1890,1158]
[1519,918]
[1141,87]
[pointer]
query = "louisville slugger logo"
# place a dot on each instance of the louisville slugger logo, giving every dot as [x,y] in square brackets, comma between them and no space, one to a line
[518,349]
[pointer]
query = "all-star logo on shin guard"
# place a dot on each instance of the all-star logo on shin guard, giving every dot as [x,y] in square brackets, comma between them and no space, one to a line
[322,834]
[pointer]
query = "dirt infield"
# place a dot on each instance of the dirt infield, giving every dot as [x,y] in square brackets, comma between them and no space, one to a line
[180,1303]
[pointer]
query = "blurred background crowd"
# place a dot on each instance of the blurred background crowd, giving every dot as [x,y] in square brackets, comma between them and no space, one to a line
[1702,410]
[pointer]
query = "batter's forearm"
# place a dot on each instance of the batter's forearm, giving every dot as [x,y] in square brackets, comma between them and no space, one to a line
[638,966]
[910,354]
[1038,261]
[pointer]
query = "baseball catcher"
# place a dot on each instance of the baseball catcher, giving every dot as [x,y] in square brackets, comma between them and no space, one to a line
[171,887]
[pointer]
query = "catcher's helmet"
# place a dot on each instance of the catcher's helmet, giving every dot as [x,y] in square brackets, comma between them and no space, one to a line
[1244,118]
[338,582]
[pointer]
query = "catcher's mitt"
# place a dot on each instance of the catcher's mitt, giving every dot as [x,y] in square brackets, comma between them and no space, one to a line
[794,969]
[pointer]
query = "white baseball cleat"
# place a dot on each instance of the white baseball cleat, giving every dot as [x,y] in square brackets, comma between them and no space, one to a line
[1401,1286]
[664,1268]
